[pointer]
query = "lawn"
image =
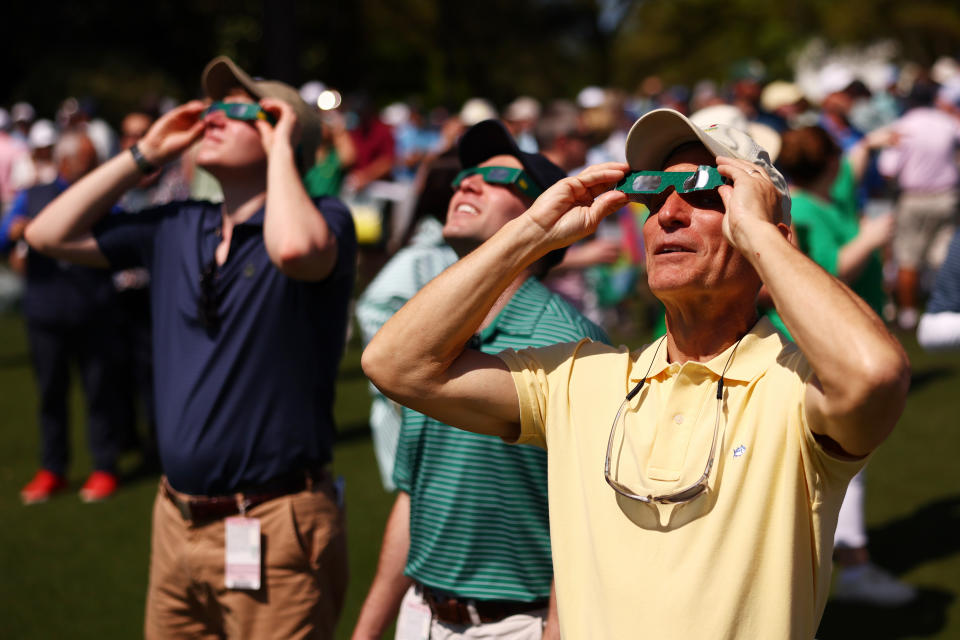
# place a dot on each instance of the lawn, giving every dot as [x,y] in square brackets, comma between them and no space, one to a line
[71,570]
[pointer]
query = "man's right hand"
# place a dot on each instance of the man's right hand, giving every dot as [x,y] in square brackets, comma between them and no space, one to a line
[572,208]
[173,133]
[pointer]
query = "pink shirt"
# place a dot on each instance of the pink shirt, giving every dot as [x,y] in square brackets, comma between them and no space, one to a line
[925,158]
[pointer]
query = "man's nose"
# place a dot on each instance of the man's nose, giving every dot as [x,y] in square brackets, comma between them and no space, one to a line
[473,182]
[674,212]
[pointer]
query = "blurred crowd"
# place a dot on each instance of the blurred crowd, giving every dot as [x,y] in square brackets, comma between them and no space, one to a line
[878,145]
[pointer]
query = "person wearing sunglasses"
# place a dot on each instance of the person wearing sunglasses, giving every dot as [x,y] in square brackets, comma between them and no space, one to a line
[466,550]
[249,306]
[695,482]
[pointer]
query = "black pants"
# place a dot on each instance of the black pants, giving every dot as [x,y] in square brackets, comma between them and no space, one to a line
[53,349]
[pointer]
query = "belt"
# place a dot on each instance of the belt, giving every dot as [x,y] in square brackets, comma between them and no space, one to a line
[206,508]
[450,609]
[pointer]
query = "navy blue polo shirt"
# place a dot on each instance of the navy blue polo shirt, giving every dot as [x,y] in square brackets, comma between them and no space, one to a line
[251,400]
[57,293]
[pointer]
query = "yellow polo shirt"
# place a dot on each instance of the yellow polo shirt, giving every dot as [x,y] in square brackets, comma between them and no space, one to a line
[750,558]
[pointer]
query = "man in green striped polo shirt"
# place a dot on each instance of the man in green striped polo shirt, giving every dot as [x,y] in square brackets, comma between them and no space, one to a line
[467,545]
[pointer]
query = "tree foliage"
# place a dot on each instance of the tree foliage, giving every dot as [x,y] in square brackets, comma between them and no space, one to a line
[438,50]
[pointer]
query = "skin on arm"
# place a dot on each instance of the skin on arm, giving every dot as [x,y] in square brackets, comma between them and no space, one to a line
[63,229]
[853,256]
[419,358]
[296,235]
[389,584]
[861,371]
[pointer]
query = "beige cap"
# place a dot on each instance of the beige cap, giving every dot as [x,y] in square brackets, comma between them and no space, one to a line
[221,75]
[658,133]
[779,93]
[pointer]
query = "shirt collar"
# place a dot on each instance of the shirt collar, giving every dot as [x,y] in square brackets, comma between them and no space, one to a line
[755,353]
[213,219]
[522,313]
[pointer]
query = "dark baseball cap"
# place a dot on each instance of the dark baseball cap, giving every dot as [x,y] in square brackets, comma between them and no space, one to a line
[490,138]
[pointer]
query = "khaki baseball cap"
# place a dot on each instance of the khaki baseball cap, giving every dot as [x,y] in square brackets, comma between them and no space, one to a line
[222,74]
[658,133]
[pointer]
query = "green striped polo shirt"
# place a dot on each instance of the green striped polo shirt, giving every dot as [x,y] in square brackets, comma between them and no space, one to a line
[479,525]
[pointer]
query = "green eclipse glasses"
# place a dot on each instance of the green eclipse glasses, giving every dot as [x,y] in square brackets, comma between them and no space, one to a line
[501,175]
[241,111]
[648,182]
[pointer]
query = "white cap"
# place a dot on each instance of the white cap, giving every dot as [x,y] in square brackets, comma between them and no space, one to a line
[42,134]
[779,93]
[476,110]
[590,97]
[657,134]
[523,108]
[395,114]
[22,112]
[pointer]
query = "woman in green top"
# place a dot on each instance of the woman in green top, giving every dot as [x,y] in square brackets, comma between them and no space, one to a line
[828,228]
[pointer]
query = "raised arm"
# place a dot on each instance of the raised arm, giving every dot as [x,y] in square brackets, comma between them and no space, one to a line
[298,239]
[64,228]
[861,371]
[419,358]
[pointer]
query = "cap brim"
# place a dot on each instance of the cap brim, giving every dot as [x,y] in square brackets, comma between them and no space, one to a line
[221,75]
[655,135]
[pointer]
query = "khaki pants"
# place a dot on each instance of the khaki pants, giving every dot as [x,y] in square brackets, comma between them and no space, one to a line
[523,626]
[303,580]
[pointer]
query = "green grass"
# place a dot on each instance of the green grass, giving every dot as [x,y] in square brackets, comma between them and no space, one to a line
[70,570]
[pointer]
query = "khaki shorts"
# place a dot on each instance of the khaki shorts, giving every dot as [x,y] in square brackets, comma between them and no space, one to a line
[303,579]
[924,228]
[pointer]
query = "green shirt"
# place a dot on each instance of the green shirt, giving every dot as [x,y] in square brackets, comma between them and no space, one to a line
[823,228]
[479,524]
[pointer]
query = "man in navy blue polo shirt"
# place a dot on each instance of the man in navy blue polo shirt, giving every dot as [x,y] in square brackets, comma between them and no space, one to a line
[249,304]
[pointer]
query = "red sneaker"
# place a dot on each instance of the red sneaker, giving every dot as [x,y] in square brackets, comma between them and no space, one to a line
[99,486]
[44,484]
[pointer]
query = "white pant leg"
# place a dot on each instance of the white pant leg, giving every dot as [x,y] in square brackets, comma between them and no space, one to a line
[851,527]
[414,613]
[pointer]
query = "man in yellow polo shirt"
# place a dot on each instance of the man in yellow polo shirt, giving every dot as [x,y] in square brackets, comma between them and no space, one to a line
[694,484]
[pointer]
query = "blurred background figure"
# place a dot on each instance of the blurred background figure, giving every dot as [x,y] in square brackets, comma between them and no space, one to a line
[11,149]
[924,163]
[70,316]
[336,152]
[828,229]
[167,184]
[37,167]
[939,327]
[521,117]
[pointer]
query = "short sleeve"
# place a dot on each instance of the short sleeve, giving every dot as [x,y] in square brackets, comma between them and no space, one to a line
[338,219]
[538,372]
[126,239]
[827,474]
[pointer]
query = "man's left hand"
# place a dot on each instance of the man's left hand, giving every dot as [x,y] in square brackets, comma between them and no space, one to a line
[751,199]
[287,130]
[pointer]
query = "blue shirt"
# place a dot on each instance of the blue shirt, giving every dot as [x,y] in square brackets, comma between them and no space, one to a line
[251,400]
[57,293]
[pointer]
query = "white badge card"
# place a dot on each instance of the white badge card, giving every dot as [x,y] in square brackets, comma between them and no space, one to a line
[414,620]
[242,553]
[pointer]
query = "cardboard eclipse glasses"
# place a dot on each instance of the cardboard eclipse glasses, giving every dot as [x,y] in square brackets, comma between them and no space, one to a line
[240,111]
[501,175]
[704,178]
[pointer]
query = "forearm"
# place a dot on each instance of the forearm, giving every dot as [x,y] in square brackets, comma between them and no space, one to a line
[852,259]
[861,370]
[63,228]
[389,584]
[428,336]
[346,151]
[296,235]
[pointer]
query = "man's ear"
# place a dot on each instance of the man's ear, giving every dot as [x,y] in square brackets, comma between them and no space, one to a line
[787,232]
